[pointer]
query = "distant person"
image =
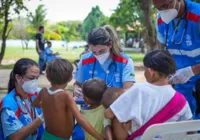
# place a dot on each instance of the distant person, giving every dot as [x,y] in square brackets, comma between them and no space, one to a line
[40,48]
[59,107]
[50,55]
[87,50]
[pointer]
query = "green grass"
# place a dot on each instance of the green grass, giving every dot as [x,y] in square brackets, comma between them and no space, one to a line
[15,53]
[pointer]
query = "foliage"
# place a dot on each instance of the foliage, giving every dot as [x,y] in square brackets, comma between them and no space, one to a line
[39,17]
[93,20]
[8,7]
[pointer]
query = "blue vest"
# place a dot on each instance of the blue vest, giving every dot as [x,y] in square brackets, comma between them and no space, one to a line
[9,102]
[112,77]
[187,53]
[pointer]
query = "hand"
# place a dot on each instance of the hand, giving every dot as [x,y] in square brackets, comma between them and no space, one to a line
[77,91]
[41,117]
[181,76]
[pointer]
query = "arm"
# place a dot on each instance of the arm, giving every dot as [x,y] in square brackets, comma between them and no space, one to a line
[80,119]
[109,114]
[37,46]
[14,129]
[109,135]
[26,131]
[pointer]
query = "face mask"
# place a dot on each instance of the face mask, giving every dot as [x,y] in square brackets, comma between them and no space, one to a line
[170,14]
[102,58]
[30,86]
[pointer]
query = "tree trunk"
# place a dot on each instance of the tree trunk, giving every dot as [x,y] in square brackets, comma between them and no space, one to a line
[146,6]
[5,34]
[26,43]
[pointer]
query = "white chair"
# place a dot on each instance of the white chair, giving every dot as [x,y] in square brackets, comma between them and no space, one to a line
[173,131]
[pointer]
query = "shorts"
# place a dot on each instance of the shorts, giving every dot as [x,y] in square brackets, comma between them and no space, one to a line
[47,136]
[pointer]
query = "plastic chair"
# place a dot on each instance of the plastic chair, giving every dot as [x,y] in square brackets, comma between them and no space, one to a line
[173,131]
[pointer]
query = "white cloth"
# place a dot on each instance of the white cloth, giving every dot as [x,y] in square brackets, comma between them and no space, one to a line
[142,101]
[54,92]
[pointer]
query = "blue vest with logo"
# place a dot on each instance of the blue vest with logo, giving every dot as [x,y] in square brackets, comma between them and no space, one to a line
[112,76]
[9,102]
[184,45]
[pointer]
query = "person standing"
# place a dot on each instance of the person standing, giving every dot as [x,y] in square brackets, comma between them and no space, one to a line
[178,31]
[40,42]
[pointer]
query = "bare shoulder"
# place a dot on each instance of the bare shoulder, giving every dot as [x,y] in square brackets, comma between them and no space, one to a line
[65,95]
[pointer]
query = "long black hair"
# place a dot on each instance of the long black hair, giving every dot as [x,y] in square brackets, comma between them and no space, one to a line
[160,61]
[20,68]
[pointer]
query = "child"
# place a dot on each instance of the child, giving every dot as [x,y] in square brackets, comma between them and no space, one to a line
[59,107]
[144,102]
[93,90]
[108,98]
[50,56]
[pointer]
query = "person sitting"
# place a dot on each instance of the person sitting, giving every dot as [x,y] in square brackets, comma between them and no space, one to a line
[58,105]
[50,55]
[152,102]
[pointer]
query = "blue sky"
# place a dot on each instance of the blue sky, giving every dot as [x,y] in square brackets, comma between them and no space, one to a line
[59,10]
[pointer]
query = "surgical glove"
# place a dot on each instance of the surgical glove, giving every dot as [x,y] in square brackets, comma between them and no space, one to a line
[181,76]
[78,92]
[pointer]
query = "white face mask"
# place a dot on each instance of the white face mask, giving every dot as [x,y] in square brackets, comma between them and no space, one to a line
[30,86]
[102,58]
[169,14]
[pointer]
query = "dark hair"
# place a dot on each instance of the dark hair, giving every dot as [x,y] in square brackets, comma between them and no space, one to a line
[104,36]
[59,71]
[40,28]
[160,61]
[110,95]
[94,89]
[49,42]
[20,68]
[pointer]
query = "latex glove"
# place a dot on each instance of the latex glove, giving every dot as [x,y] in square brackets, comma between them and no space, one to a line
[181,76]
[41,117]
[78,92]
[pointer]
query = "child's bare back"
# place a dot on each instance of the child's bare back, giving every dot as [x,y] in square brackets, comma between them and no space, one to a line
[58,118]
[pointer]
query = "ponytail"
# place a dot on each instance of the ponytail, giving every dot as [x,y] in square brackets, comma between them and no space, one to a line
[11,83]
[116,45]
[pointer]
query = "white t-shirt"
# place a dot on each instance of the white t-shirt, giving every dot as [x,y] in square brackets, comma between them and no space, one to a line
[142,101]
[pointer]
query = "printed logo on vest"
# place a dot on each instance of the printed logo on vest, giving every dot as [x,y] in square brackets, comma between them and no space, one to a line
[188,40]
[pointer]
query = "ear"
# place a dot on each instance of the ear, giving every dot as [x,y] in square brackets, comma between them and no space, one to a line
[151,72]
[18,78]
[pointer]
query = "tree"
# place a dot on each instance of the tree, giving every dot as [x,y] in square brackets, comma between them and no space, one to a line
[92,21]
[39,18]
[131,12]
[6,8]
[21,31]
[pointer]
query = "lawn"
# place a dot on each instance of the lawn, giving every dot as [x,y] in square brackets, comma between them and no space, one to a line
[15,53]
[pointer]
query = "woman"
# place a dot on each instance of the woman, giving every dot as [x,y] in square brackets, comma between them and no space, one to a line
[19,120]
[106,61]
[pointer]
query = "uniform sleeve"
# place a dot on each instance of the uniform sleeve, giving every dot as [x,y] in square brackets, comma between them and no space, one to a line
[130,100]
[10,122]
[187,113]
[48,51]
[160,36]
[128,72]
[79,73]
